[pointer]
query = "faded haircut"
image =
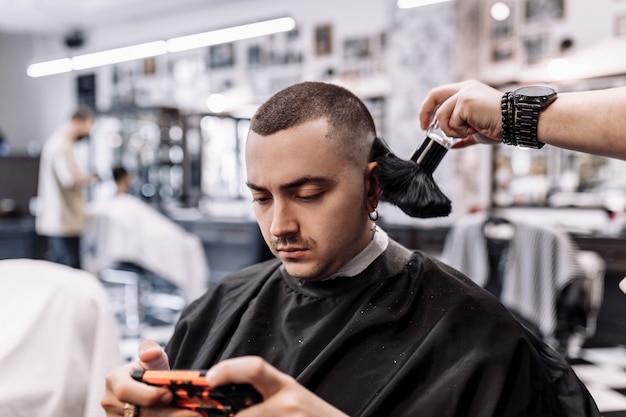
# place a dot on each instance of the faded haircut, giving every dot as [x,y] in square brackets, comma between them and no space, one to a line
[350,123]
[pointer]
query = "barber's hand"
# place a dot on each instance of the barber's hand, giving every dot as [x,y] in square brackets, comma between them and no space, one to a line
[469,110]
[152,401]
[282,395]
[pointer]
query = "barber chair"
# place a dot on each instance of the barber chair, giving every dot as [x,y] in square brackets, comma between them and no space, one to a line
[143,302]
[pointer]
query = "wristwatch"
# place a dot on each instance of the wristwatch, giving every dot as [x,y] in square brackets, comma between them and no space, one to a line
[528,102]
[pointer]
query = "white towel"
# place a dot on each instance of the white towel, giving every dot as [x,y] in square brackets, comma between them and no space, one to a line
[58,340]
[125,229]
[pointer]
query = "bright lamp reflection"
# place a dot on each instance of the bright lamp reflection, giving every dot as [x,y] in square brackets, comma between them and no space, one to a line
[408,4]
[500,11]
[216,103]
[559,69]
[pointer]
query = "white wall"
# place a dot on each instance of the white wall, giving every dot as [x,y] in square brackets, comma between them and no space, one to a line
[29,108]
[587,24]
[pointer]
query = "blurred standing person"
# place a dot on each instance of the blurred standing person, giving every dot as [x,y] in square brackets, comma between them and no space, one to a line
[61,201]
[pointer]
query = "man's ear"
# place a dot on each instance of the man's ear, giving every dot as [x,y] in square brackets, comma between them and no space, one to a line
[373,190]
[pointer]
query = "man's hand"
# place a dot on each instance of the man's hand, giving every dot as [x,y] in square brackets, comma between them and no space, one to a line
[153,401]
[469,110]
[282,395]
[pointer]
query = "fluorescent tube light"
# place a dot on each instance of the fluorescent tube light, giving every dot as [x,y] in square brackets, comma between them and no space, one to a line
[111,56]
[408,4]
[57,66]
[231,34]
[145,50]
[115,56]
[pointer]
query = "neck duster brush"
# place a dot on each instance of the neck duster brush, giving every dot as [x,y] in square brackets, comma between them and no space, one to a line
[409,185]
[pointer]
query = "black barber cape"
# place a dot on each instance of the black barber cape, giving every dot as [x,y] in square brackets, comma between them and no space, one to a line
[409,336]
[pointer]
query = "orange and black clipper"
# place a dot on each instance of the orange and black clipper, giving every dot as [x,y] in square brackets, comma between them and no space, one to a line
[192,392]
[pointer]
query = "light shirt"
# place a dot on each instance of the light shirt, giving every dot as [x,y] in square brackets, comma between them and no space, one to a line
[60,201]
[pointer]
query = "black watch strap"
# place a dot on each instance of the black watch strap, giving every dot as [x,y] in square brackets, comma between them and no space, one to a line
[526,121]
[520,115]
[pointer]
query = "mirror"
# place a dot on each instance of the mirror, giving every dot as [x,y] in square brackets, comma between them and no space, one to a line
[554,177]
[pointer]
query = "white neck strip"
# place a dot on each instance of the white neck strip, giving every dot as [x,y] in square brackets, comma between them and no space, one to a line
[361,261]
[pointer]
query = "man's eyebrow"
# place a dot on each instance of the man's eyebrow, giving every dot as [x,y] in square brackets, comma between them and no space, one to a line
[294,184]
[254,187]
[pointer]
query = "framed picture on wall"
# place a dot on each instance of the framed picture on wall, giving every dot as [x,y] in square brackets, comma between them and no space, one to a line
[356,48]
[256,56]
[149,66]
[536,48]
[620,26]
[544,10]
[324,39]
[502,54]
[222,56]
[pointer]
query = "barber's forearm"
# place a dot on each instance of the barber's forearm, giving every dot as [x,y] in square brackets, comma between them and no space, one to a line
[591,122]
[84,180]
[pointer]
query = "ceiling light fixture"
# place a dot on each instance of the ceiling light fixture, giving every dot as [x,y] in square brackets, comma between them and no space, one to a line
[42,69]
[500,11]
[145,50]
[409,4]
[232,34]
[115,56]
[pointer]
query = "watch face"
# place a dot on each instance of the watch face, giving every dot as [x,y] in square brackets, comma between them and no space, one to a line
[535,91]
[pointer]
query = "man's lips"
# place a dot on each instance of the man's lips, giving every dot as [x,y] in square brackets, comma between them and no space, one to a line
[291,251]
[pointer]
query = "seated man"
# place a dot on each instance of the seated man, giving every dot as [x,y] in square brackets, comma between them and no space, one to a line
[124,229]
[346,321]
[123,180]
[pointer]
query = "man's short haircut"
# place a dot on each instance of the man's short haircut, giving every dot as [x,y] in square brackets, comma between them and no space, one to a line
[119,173]
[83,113]
[350,122]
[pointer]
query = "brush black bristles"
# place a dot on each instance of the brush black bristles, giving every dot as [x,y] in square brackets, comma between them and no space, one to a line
[408,186]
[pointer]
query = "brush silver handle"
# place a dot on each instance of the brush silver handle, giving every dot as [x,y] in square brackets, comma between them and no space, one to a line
[429,154]
[433,148]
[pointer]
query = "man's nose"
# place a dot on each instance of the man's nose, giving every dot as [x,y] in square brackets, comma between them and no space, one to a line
[283,219]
